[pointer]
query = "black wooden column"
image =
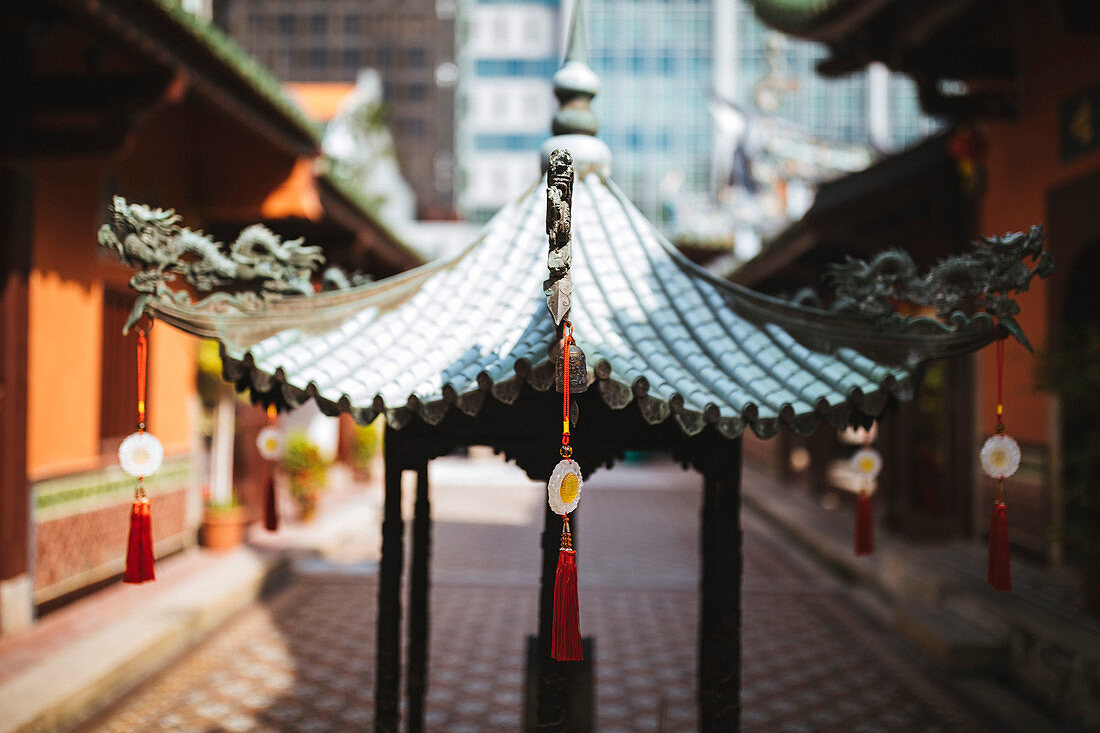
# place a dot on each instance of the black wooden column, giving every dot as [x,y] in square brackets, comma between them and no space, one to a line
[720,593]
[388,682]
[553,682]
[416,680]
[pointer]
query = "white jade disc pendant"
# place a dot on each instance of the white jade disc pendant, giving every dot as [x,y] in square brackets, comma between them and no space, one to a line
[564,489]
[140,454]
[1000,456]
[867,462]
[270,443]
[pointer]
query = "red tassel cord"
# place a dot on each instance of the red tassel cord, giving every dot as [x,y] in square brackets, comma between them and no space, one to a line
[139,551]
[271,507]
[865,537]
[566,641]
[1000,571]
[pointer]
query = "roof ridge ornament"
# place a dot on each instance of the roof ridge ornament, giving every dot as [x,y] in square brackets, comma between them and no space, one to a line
[559,200]
[258,260]
[984,278]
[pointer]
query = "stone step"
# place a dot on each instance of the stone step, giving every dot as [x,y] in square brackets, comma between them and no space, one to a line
[956,642]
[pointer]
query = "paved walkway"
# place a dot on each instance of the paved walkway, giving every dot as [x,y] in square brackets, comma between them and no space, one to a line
[303,660]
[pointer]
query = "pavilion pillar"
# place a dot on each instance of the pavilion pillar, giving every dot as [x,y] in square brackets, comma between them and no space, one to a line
[719,695]
[553,682]
[387,715]
[16,230]
[416,680]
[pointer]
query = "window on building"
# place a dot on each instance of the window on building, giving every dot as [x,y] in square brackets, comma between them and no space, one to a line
[353,24]
[383,59]
[352,59]
[286,24]
[255,22]
[318,58]
[418,58]
[118,381]
[417,92]
[318,24]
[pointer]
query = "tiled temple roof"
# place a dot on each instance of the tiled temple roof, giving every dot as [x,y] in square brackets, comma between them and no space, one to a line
[658,331]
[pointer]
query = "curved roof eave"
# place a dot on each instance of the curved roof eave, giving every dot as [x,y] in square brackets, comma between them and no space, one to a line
[658,332]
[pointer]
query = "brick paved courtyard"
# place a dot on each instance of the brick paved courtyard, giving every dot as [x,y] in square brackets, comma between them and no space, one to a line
[303,660]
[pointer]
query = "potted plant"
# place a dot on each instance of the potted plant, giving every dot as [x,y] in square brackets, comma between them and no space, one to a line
[224,518]
[223,525]
[305,469]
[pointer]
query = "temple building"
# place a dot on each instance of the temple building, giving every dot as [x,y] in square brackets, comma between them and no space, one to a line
[142,99]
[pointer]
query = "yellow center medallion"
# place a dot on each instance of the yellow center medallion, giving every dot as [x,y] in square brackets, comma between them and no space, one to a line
[569,488]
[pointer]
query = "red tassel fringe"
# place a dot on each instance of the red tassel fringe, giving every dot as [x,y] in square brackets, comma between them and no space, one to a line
[139,552]
[271,508]
[865,536]
[567,624]
[1000,573]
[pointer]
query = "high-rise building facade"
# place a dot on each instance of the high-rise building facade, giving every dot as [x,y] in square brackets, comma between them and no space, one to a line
[506,50]
[409,42]
[655,60]
[662,63]
[874,107]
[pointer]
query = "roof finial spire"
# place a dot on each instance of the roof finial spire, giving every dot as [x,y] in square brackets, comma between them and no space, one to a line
[575,84]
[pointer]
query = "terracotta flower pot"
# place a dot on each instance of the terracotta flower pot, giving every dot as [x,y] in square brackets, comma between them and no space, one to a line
[223,529]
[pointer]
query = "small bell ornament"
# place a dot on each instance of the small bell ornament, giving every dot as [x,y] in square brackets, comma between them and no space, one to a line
[577,371]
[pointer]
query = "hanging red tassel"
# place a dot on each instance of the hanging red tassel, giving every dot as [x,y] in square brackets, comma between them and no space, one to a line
[1000,572]
[865,538]
[139,551]
[271,508]
[566,640]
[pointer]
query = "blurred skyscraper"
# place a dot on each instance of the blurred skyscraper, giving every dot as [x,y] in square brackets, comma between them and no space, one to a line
[409,42]
[663,65]
[506,51]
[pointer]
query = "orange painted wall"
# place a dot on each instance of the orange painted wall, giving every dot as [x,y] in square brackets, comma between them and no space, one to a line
[1023,164]
[186,155]
[66,322]
[63,383]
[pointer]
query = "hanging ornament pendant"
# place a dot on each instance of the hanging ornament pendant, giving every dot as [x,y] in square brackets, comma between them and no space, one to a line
[1000,459]
[868,464]
[140,455]
[270,443]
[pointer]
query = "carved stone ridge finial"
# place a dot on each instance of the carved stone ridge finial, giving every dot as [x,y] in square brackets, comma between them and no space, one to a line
[981,280]
[259,262]
[559,200]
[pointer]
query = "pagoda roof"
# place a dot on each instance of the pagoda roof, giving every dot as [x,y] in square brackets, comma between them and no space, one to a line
[657,330]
